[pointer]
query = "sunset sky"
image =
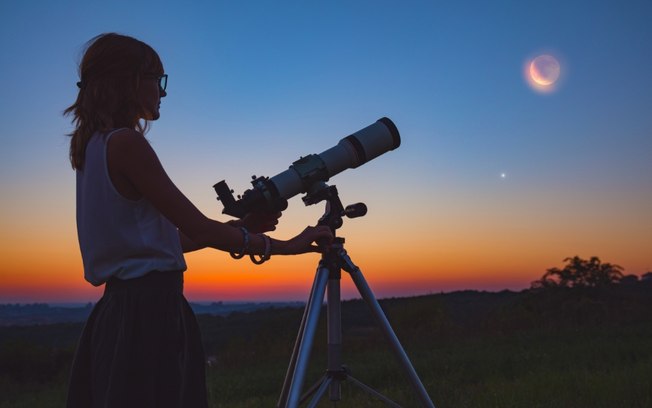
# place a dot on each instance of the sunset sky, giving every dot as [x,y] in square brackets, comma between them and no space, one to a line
[495,180]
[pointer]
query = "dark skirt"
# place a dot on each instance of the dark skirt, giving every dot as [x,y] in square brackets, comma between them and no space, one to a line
[141,347]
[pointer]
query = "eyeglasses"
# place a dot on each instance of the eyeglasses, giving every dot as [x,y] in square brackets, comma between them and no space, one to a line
[161,79]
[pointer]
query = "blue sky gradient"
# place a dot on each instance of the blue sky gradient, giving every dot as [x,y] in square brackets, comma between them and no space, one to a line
[253,85]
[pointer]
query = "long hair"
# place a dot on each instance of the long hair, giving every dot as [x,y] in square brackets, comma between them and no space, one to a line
[110,73]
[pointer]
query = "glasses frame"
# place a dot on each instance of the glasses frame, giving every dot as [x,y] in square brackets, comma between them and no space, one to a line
[161,79]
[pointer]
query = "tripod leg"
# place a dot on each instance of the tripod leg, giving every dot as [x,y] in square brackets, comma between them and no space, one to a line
[314,388]
[334,320]
[307,337]
[320,392]
[295,351]
[383,323]
[373,392]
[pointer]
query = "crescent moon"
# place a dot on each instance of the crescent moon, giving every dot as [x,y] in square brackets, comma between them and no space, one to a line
[544,70]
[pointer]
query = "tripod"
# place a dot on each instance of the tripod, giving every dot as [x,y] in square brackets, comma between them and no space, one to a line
[328,275]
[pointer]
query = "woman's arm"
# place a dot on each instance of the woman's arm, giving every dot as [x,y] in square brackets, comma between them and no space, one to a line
[132,159]
[187,245]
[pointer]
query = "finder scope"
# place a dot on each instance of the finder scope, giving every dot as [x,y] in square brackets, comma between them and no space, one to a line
[309,172]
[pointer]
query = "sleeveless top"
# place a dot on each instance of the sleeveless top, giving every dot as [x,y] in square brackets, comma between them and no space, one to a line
[119,237]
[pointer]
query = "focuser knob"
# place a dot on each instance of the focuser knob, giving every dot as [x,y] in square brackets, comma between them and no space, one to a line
[355,210]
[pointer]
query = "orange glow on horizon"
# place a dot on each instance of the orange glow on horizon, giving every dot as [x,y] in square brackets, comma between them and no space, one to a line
[281,280]
[492,250]
[214,276]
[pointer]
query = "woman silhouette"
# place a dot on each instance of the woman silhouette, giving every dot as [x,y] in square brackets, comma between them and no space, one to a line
[141,346]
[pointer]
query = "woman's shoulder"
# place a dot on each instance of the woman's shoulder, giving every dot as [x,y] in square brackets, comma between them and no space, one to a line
[128,143]
[122,133]
[121,138]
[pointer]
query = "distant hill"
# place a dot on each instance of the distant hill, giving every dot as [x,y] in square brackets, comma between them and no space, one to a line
[463,309]
[43,313]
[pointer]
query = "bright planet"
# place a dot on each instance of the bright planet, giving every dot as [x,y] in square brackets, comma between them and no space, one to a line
[544,70]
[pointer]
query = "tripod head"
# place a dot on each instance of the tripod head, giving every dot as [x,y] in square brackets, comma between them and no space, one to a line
[335,210]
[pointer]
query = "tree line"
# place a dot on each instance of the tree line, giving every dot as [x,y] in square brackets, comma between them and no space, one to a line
[585,273]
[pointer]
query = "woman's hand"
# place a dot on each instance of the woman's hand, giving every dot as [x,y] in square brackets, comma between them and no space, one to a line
[260,222]
[304,242]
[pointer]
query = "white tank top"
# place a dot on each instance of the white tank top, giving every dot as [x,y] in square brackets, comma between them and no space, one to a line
[118,236]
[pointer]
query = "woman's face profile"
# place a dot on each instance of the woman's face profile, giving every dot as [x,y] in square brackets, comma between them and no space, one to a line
[150,94]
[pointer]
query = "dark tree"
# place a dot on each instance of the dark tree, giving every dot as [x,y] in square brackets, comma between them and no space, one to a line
[580,273]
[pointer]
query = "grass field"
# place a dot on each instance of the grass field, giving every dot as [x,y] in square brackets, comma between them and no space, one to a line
[470,349]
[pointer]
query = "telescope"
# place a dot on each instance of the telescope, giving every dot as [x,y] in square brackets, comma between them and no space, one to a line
[309,173]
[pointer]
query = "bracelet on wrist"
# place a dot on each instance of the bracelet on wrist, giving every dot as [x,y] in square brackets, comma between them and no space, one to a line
[266,255]
[245,244]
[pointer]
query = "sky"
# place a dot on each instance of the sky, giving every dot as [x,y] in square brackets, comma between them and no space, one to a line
[495,181]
